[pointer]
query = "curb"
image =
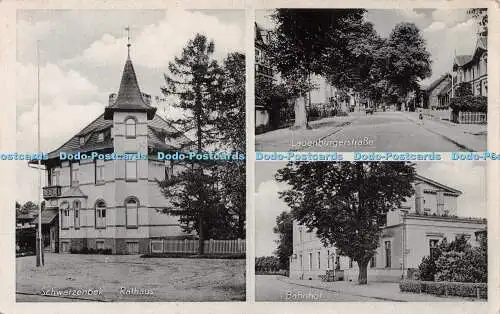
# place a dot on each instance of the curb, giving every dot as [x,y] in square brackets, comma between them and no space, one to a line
[447,138]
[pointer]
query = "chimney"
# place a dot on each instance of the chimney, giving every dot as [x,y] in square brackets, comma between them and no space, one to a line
[440,202]
[112,99]
[419,198]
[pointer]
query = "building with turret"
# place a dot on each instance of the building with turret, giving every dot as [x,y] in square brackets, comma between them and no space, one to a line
[114,204]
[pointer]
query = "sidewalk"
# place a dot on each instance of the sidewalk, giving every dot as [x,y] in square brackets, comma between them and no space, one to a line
[471,137]
[387,291]
[283,140]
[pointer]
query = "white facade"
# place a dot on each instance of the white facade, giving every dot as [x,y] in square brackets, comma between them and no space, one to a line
[426,218]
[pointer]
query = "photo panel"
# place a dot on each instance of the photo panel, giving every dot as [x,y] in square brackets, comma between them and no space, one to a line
[371,80]
[371,232]
[137,190]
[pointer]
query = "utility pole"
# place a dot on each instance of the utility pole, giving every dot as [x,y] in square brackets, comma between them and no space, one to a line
[39,237]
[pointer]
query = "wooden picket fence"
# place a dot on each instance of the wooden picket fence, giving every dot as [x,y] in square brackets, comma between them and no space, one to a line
[237,246]
[472,117]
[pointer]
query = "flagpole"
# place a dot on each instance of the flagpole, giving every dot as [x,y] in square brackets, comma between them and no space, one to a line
[39,256]
[452,70]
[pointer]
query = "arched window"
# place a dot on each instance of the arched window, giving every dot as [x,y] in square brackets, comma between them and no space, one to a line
[65,217]
[130,128]
[100,214]
[131,207]
[76,214]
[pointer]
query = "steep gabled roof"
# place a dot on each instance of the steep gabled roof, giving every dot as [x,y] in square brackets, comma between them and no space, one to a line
[461,60]
[156,127]
[438,185]
[129,96]
[481,46]
[437,82]
[482,43]
[445,89]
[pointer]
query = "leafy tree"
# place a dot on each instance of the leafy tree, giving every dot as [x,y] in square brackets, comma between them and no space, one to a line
[232,126]
[195,78]
[346,203]
[481,15]
[232,188]
[203,88]
[299,45]
[407,58]
[231,106]
[29,206]
[284,229]
[195,197]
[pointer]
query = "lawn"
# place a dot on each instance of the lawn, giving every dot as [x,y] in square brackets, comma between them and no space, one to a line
[169,279]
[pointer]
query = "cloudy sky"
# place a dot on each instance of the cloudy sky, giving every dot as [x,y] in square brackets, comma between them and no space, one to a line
[82,54]
[444,30]
[468,177]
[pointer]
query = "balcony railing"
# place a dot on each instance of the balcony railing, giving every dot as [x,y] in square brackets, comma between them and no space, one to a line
[51,191]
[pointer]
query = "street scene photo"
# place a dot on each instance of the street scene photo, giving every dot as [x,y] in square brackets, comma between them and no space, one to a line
[371,231]
[135,189]
[348,80]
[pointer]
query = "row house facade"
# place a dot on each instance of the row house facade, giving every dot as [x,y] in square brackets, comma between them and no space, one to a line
[473,68]
[114,205]
[411,233]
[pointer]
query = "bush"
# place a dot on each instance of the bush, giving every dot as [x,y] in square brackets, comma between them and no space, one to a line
[266,264]
[427,269]
[468,266]
[469,104]
[460,289]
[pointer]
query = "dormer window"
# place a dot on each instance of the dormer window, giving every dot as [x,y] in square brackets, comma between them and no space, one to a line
[100,137]
[130,130]
[82,140]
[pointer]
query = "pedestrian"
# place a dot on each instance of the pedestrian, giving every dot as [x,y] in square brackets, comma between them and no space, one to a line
[420,116]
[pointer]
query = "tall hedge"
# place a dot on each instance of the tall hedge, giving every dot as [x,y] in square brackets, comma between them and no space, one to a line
[469,104]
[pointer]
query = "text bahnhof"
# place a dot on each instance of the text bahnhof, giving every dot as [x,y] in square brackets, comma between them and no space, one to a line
[234,156]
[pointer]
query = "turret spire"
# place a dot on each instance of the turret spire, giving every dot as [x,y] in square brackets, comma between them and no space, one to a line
[129,96]
[128,42]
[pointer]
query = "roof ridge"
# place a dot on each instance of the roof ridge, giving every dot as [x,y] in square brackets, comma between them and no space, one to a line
[425,179]
[77,134]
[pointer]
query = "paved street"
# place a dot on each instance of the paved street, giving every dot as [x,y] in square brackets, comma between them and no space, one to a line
[382,131]
[272,288]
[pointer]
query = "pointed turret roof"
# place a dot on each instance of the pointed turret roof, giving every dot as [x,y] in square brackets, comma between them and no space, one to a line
[129,96]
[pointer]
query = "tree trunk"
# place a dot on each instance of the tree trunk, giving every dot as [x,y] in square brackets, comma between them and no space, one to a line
[300,113]
[363,273]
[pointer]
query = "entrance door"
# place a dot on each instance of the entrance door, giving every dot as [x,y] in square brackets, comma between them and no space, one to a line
[132,247]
